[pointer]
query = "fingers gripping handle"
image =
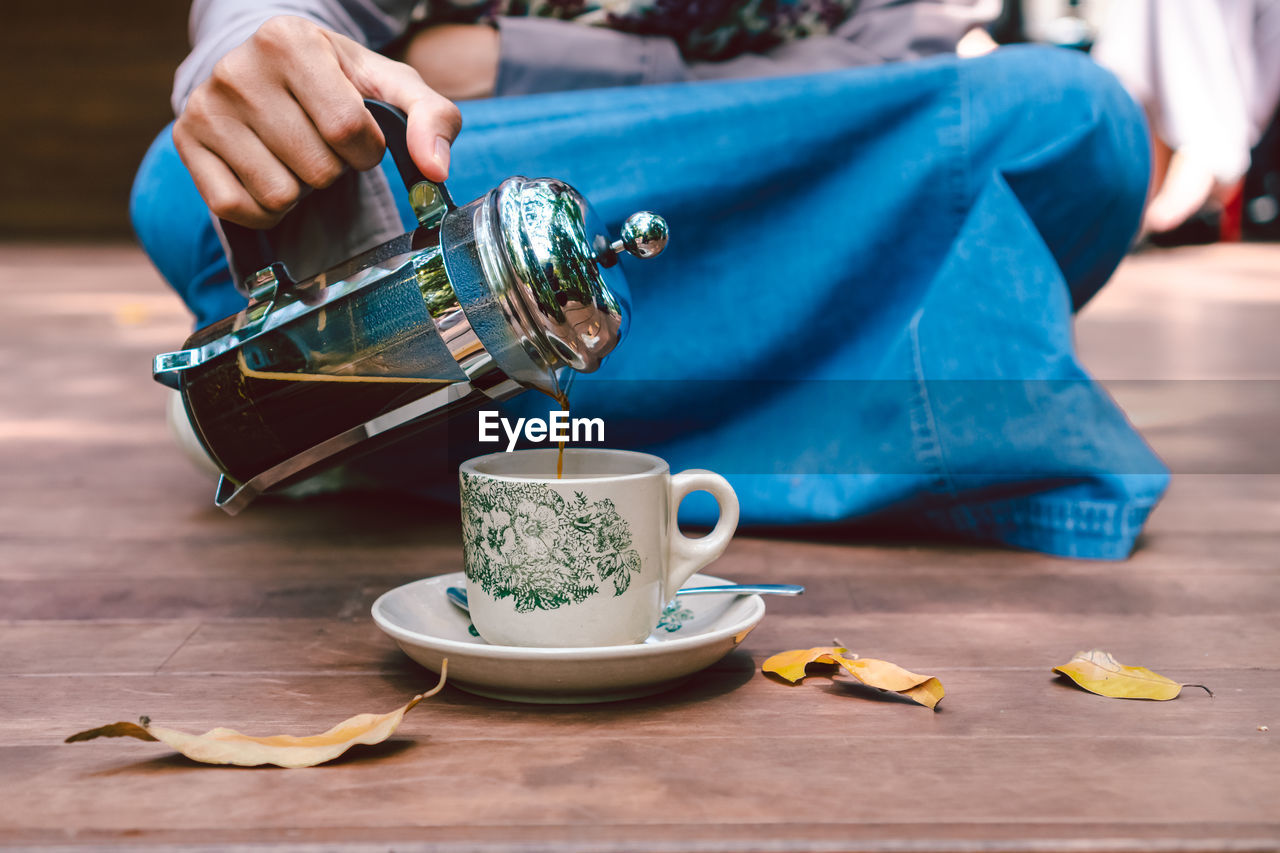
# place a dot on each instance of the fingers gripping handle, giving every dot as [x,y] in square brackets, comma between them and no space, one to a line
[249,250]
[687,555]
[394,125]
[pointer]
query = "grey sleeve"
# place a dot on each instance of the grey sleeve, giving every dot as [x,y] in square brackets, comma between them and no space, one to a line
[545,55]
[549,55]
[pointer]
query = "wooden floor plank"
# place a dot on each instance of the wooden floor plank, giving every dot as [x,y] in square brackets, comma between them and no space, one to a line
[859,592]
[46,648]
[977,639]
[601,836]
[1203,312]
[567,779]
[728,702]
[980,639]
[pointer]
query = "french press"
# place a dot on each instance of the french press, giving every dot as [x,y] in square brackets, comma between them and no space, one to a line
[511,291]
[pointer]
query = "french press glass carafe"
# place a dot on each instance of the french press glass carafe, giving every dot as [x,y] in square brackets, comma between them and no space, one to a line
[479,302]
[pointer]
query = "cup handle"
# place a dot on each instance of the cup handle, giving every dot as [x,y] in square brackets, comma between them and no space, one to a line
[689,555]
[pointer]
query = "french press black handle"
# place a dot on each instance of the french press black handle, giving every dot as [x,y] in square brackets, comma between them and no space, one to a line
[250,250]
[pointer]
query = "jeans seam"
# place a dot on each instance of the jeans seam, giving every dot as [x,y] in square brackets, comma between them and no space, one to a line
[1098,518]
[924,426]
[926,437]
[1039,522]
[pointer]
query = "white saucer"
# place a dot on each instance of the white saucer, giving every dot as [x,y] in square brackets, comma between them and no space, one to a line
[428,628]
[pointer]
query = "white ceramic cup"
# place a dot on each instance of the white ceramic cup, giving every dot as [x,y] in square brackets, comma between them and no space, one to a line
[589,559]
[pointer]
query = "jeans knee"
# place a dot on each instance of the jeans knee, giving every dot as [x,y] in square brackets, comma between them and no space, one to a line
[168,215]
[1120,165]
[1071,145]
[1024,100]
[144,214]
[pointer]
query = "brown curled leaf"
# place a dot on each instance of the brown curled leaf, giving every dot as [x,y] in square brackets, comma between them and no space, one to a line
[227,746]
[114,730]
[881,674]
[1098,672]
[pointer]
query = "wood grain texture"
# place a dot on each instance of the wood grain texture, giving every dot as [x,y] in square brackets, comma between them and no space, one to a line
[123,592]
[731,701]
[612,778]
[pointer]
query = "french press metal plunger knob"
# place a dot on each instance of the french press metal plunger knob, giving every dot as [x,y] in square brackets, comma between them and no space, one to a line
[644,235]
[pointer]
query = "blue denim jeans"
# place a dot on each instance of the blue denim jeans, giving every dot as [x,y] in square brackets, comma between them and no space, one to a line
[864,315]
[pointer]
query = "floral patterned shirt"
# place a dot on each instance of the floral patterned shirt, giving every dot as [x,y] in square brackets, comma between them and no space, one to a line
[704,30]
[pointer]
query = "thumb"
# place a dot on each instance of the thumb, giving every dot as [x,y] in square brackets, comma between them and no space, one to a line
[434,120]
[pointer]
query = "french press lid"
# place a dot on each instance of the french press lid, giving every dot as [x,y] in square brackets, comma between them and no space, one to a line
[552,248]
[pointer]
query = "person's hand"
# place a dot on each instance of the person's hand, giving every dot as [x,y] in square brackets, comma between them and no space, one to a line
[460,61]
[1187,186]
[284,111]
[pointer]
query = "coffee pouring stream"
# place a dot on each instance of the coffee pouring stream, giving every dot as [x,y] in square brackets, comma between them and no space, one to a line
[512,291]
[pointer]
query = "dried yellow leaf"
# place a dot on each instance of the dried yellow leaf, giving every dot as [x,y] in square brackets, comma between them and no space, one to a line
[791,665]
[1098,672]
[880,674]
[226,746]
[924,689]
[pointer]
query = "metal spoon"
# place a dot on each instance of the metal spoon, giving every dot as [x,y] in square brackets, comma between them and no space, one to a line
[458,595]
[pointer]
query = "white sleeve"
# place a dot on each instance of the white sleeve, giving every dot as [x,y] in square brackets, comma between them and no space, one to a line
[1203,71]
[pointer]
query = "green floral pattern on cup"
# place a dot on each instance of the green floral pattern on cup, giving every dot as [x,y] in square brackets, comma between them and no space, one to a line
[527,542]
[674,615]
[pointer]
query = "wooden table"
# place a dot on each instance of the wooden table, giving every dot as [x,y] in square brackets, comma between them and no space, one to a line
[124,592]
